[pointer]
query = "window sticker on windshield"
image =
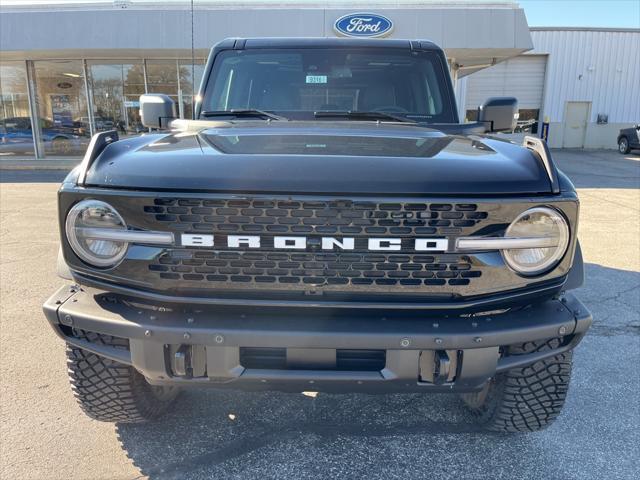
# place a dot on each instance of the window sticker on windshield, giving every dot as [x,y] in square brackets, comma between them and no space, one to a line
[316,79]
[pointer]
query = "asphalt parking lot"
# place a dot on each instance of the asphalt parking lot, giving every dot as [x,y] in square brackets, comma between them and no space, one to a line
[44,435]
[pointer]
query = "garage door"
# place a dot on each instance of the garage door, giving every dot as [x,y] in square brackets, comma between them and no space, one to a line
[521,77]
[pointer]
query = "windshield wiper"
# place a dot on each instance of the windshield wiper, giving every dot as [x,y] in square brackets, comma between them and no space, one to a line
[242,113]
[356,114]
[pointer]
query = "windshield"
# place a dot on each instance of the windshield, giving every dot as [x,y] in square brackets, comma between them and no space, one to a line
[298,83]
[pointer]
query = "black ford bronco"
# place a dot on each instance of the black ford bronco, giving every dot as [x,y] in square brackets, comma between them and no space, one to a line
[325,223]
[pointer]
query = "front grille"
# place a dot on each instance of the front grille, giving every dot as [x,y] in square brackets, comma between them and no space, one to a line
[336,270]
[255,216]
[269,269]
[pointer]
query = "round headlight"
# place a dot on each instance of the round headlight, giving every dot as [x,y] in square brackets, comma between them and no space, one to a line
[83,219]
[537,223]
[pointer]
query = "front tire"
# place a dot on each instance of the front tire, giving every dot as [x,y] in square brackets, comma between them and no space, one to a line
[110,391]
[623,146]
[524,399]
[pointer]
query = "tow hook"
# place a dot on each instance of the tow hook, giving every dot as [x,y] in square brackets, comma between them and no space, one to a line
[438,366]
[182,361]
[187,361]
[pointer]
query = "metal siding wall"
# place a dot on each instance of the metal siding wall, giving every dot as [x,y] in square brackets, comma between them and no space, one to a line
[521,77]
[609,62]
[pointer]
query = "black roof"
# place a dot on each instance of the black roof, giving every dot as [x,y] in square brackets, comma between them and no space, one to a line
[320,42]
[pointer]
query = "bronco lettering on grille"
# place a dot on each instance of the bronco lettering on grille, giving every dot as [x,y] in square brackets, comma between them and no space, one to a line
[301,243]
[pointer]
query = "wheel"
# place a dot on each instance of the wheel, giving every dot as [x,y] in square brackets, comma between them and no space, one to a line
[109,391]
[623,146]
[61,145]
[524,399]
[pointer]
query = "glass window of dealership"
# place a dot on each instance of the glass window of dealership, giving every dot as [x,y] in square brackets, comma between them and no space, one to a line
[50,108]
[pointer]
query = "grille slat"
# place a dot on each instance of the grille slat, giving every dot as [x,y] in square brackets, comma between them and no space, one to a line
[314,268]
[321,217]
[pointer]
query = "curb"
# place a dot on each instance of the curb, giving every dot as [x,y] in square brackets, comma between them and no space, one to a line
[38,166]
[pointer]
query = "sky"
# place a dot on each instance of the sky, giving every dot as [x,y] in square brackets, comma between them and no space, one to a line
[540,13]
[582,13]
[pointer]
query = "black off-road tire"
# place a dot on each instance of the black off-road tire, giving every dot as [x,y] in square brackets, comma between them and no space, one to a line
[524,399]
[623,146]
[110,391]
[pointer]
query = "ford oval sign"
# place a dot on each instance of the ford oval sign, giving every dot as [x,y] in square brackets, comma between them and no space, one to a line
[363,25]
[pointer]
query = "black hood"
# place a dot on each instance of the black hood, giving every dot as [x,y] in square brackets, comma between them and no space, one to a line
[320,157]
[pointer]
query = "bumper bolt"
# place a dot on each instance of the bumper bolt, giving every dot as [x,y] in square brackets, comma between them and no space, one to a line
[436,324]
[68,320]
[190,320]
[147,333]
[438,341]
[219,339]
[477,339]
[562,330]
[186,336]
[405,342]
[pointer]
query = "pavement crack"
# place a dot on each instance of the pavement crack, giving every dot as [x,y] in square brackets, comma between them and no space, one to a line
[616,296]
[601,330]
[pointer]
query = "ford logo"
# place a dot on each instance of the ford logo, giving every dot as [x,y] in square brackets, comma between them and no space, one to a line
[363,25]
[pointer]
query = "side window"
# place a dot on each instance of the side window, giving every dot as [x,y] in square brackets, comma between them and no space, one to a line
[226,90]
[222,90]
[434,98]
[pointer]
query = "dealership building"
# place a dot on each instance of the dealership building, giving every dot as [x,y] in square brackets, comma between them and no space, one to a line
[70,69]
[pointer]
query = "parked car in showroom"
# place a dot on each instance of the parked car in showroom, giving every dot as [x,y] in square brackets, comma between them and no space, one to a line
[16,137]
[629,139]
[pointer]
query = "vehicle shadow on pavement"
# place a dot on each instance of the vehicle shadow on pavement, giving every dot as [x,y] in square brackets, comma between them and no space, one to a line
[209,427]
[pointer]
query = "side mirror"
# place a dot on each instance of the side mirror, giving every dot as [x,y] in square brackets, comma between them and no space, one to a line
[499,114]
[157,110]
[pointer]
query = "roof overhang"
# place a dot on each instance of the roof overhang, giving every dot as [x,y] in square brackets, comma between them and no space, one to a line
[473,35]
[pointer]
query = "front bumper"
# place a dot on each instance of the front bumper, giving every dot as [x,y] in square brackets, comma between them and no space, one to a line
[468,350]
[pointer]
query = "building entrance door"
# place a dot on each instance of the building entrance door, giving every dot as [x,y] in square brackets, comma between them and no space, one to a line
[575,124]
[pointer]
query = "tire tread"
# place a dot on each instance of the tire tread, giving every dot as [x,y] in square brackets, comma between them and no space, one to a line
[525,399]
[110,391]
